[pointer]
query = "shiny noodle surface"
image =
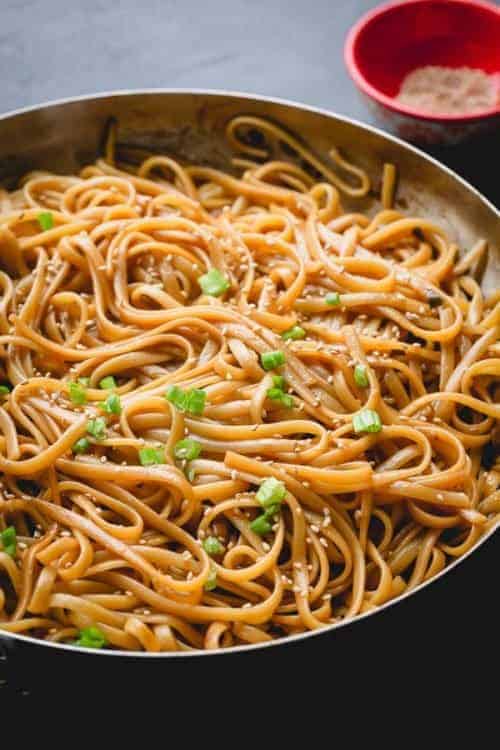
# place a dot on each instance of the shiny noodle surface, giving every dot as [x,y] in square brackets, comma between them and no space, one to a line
[111,288]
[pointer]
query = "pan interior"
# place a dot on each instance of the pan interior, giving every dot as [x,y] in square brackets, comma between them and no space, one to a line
[190,126]
[62,137]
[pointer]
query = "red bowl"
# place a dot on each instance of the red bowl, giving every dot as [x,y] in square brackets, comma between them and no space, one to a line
[390,41]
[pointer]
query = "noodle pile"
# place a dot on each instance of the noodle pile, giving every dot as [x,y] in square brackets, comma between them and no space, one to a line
[232,411]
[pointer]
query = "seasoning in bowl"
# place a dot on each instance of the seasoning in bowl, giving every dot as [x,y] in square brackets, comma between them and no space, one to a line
[438,89]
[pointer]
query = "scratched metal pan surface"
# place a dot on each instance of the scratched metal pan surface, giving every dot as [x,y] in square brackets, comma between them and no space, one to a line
[62,136]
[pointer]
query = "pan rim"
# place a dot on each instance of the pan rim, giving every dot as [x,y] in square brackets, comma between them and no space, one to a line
[287,640]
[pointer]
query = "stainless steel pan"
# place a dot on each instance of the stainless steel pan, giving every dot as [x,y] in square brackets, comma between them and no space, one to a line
[61,136]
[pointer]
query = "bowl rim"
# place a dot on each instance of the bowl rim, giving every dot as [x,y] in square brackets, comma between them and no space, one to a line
[19,638]
[389,102]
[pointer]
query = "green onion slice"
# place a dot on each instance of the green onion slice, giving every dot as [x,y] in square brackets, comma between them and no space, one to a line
[8,537]
[361,376]
[261,525]
[97,428]
[187,449]
[211,582]
[271,492]
[366,420]
[293,334]
[150,456]
[214,283]
[91,638]
[276,394]
[192,400]
[212,546]
[81,446]
[332,298]
[46,220]
[112,405]
[77,393]
[271,360]
[107,383]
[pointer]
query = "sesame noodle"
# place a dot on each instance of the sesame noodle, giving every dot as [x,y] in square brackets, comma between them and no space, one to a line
[231,410]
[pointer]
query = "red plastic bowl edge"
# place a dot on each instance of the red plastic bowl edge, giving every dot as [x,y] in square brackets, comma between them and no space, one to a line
[388,101]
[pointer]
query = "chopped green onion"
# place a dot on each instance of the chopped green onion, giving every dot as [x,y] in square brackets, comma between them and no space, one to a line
[187,449]
[279,382]
[192,400]
[151,456]
[276,394]
[212,546]
[97,428]
[272,510]
[46,220]
[81,446]
[261,525]
[271,360]
[84,381]
[112,405]
[367,421]
[271,492]
[294,334]
[195,401]
[333,298]
[361,377]
[4,390]
[214,283]
[176,396]
[77,393]
[433,299]
[8,538]
[107,383]
[211,582]
[91,638]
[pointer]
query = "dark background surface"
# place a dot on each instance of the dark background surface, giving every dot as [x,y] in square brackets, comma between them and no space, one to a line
[293,49]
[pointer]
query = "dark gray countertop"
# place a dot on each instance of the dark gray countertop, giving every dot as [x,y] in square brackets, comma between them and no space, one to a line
[290,48]
[52,49]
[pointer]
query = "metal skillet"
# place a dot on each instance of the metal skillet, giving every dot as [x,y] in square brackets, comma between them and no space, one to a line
[62,136]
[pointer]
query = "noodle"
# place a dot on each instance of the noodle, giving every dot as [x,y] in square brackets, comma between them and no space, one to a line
[232,411]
